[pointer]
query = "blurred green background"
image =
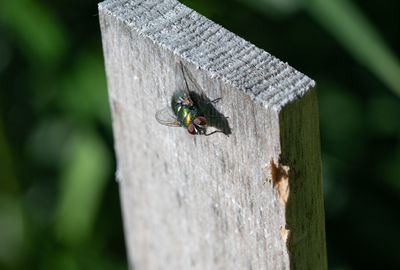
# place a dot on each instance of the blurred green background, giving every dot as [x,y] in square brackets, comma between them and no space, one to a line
[59,205]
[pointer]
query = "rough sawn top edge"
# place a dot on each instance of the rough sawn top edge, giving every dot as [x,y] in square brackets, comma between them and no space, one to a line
[211,47]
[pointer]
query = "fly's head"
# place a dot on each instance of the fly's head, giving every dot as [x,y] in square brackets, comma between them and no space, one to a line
[198,126]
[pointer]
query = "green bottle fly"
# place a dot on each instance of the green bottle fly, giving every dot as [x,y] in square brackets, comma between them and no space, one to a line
[186,113]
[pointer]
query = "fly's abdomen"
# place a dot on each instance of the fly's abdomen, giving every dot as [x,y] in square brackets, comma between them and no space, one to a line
[185,115]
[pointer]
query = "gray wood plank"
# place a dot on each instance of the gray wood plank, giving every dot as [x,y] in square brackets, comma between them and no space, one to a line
[216,202]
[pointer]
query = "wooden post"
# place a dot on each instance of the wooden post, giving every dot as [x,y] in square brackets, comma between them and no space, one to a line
[250,200]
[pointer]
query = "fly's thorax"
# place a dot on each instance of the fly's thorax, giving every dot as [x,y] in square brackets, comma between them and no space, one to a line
[184,114]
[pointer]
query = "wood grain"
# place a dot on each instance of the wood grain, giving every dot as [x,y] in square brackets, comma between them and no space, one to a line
[196,202]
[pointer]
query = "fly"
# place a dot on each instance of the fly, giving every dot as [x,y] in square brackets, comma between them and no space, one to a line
[184,112]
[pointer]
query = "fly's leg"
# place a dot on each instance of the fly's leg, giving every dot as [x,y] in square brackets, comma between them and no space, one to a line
[213,116]
[215,100]
[211,133]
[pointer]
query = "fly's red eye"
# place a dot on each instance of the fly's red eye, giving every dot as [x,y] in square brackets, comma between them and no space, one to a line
[191,129]
[200,121]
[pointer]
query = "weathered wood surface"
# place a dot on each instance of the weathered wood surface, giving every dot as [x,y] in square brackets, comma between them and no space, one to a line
[250,200]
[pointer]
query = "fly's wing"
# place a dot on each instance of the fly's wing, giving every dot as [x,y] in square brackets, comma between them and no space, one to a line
[185,86]
[167,118]
[190,81]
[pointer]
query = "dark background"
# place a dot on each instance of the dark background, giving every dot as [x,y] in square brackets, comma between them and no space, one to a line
[59,205]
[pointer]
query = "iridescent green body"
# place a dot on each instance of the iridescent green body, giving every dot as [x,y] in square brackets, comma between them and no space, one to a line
[184,113]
